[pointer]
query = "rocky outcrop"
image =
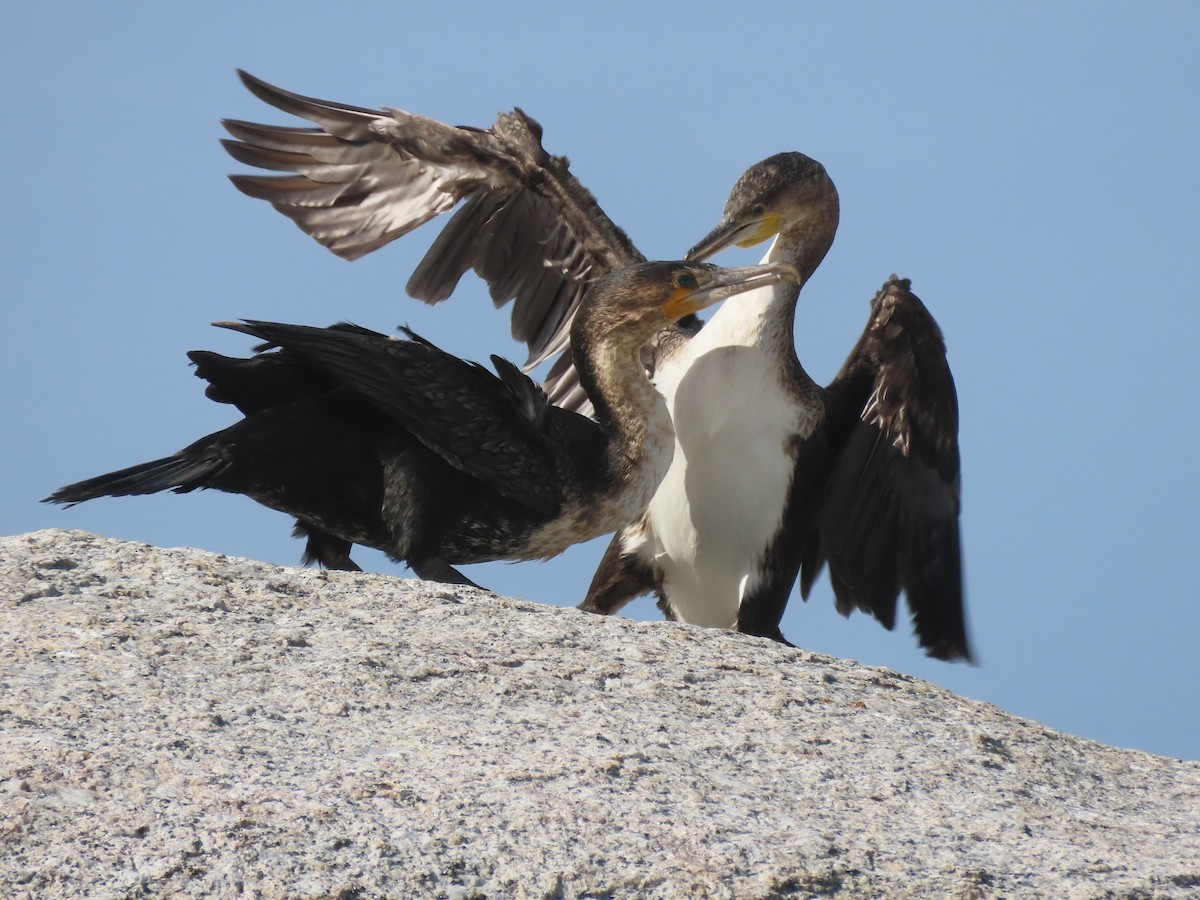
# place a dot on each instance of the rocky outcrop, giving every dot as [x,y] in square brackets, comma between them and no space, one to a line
[175,723]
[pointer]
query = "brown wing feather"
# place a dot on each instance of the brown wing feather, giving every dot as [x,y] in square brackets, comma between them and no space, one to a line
[366,177]
[889,519]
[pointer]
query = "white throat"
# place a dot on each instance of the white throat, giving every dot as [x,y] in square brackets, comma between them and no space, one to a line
[743,319]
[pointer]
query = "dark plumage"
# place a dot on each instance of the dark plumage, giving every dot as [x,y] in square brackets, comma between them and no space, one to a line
[889,515]
[398,445]
[366,177]
[744,507]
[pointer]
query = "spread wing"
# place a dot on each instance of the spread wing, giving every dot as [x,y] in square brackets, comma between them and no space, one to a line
[889,518]
[362,178]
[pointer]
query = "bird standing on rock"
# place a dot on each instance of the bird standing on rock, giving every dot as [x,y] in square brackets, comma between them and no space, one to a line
[398,445]
[772,476]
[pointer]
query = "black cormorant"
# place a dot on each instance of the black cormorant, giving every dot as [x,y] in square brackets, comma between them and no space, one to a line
[398,445]
[757,462]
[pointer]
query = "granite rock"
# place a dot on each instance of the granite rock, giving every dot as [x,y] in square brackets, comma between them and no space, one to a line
[177,723]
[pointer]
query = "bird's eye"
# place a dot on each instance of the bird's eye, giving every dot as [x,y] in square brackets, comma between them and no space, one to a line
[685,280]
[759,210]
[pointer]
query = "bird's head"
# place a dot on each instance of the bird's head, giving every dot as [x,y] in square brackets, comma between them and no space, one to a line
[638,301]
[787,193]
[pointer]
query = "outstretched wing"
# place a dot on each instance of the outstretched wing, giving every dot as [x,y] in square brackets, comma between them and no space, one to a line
[363,178]
[889,518]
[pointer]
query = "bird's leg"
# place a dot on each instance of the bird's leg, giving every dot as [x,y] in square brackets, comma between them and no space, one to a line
[325,549]
[439,570]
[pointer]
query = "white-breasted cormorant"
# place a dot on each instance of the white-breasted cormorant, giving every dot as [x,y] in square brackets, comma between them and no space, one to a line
[773,474]
[398,445]
[733,522]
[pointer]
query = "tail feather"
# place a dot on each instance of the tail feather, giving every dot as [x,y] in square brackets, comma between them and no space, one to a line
[179,473]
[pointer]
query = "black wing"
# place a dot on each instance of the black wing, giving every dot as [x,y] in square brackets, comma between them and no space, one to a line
[264,380]
[365,177]
[491,428]
[889,518]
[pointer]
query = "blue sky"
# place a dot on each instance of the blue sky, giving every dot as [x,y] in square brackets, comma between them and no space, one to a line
[1032,167]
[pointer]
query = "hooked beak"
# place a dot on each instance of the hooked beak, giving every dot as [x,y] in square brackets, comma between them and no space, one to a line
[720,284]
[742,233]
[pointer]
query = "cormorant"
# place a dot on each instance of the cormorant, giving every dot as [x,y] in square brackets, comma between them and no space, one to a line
[757,490]
[773,474]
[398,445]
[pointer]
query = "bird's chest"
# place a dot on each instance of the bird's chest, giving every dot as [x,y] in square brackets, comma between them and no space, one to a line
[736,420]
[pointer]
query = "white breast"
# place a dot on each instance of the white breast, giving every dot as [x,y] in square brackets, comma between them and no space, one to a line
[722,500]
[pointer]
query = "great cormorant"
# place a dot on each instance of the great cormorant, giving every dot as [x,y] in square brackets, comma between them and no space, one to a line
[758,488]
[773,474]
[398,445]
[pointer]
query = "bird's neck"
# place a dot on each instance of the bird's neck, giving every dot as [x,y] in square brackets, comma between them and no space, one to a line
[804,246]
[773,308]
[623,396]
[764,315]
[632,412]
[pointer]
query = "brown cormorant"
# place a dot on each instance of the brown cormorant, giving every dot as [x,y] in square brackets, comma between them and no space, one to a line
[398,445]
[366,177]
[758,487]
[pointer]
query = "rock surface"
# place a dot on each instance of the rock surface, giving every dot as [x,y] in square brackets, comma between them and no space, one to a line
[175,723]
